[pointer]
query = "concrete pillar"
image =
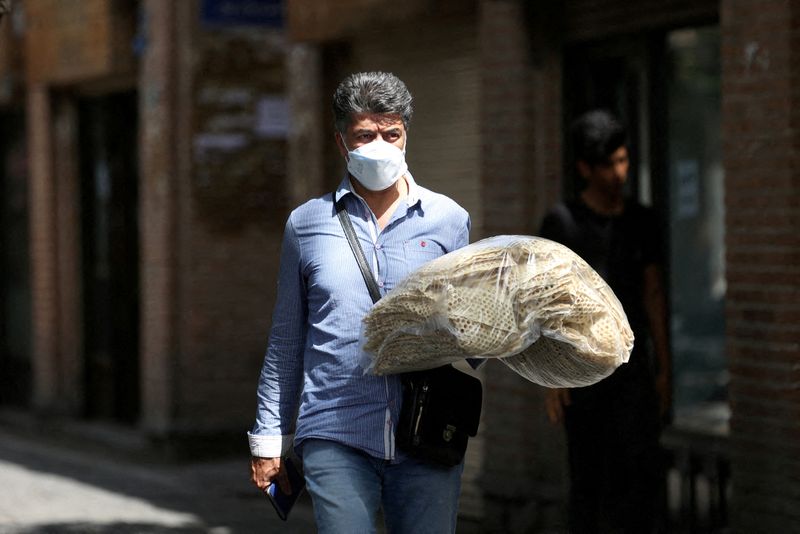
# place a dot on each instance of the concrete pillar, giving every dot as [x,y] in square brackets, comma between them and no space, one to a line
[308,131]
[70,322]
[56,321]
[159,215]
[43,250]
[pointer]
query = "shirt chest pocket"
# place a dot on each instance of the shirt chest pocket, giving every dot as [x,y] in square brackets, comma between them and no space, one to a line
[420,251]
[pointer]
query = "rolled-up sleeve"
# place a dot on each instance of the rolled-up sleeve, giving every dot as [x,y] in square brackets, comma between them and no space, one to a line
[280,381]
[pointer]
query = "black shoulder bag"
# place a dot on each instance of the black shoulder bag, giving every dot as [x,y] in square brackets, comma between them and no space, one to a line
[441,407]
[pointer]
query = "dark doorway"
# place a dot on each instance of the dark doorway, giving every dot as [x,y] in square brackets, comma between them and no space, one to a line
[666,87]
[618,77]
[110,238]
[15,291]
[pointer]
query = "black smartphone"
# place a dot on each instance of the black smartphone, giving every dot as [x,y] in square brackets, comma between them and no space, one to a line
[283,502]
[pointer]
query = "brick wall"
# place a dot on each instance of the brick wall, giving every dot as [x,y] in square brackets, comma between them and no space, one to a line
[760,139]
[77,41]
[520,171]
[437,58]
[312,20]
[214,200]
[237,203]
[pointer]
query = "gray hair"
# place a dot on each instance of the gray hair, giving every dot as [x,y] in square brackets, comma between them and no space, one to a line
[370,92]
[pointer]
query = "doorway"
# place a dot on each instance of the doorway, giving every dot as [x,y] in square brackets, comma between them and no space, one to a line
[665,87]
[616,77]
[110,255]
[15,289]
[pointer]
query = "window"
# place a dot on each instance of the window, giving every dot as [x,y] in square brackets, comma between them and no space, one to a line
[696,226]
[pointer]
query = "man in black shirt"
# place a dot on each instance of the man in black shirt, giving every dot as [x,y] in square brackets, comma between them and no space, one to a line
[613,426]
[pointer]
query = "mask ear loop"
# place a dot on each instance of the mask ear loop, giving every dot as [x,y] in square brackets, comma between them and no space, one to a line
[347,156]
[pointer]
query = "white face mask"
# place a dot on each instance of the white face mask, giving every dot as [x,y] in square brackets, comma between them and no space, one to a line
[376,165]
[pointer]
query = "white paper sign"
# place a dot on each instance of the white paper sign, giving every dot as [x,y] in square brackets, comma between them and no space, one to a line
[272,117]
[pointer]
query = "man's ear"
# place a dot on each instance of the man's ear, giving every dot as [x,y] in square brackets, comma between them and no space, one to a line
[337,136]
[584,169]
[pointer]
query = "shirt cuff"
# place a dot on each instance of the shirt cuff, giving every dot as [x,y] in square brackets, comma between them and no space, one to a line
[269,446]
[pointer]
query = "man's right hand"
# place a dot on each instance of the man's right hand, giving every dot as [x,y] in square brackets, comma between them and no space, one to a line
[554,401]
[264,470]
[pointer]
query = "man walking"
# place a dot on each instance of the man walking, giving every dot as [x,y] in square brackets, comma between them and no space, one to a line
[313,395]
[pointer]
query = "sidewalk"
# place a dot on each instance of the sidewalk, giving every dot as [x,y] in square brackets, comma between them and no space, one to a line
[50,487]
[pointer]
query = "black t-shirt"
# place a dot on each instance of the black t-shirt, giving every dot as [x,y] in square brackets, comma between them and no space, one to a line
[617,247]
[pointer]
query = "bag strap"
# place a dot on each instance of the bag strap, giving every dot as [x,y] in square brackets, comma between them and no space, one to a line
[358,252]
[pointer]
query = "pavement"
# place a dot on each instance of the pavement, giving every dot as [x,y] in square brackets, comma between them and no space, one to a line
[49,485]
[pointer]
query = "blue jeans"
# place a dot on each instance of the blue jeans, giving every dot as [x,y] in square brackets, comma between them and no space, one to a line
[348,487]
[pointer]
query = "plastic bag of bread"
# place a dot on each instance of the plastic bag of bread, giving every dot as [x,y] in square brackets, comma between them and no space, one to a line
[529,301]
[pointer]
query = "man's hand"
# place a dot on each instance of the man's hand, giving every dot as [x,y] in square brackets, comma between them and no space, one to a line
[264,470]
[554,401]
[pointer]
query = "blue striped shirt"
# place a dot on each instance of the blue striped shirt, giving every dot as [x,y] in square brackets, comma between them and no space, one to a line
[313,363]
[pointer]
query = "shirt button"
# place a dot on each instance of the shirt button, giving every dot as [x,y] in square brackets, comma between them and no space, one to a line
[378,246]
[380,284]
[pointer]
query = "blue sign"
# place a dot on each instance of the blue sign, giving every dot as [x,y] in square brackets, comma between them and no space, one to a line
[233,13]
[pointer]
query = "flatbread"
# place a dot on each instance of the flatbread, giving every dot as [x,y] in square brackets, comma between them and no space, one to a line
[528,301]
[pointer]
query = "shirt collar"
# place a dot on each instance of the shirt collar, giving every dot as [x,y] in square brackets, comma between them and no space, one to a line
[412,198]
